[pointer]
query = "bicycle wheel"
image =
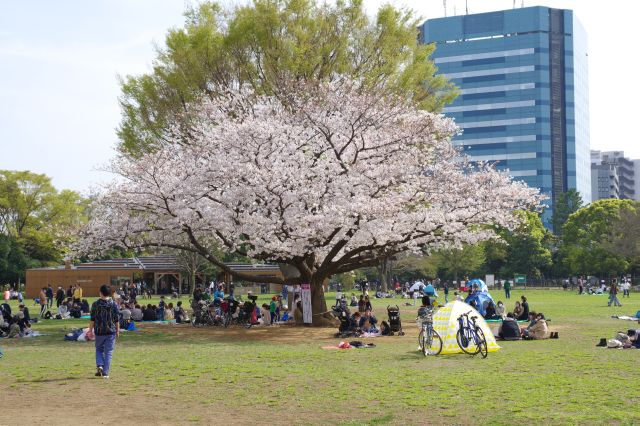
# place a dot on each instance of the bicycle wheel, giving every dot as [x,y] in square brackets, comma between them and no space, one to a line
[433,344]
[421,339]
[465,343]
[481,342]
[226,320]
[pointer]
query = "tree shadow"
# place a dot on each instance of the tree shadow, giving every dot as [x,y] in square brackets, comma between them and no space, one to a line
[48,380]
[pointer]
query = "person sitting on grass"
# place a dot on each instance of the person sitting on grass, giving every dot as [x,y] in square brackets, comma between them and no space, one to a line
[14,329]
[168,313]
[149,314]
[25,312]
[354,300]
[136,313]
[525,309]
[125,317]
[354,322]
[509,329]
[500,311]
[490,311]
[539,330]
[180,314]
[517,310]
[160,310]
[265,314]
[84,307]
[368,322]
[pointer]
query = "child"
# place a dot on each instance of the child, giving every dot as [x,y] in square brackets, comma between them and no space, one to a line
[161,308]
[264,313]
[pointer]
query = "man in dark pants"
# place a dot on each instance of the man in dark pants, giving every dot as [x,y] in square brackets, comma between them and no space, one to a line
[106,327]
[49,294]
[60,295]
[507,289]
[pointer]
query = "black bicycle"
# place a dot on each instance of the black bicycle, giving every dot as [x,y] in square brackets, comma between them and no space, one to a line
[429,340]
[470,337]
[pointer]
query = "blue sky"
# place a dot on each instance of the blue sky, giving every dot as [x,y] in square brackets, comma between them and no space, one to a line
[59,62]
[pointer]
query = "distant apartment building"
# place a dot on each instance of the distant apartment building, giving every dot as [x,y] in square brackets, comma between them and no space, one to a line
[522,75]
[604,182]
[620,169]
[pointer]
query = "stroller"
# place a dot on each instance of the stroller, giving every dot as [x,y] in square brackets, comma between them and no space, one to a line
[395,324]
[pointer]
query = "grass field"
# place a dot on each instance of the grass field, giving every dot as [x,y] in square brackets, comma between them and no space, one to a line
[280,375]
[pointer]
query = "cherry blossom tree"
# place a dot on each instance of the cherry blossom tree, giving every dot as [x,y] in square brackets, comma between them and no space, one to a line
[324,178]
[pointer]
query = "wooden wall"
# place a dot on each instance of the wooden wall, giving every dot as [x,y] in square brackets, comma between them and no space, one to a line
[89,279]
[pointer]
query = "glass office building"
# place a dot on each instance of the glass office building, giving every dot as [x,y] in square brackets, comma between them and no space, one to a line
[524,100]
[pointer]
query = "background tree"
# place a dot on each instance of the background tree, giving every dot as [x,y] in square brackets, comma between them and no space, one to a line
[566,204]
[456,263]
[329,180]
[587,237]
[527,247]
[270,42]
[411,267]
[37,222]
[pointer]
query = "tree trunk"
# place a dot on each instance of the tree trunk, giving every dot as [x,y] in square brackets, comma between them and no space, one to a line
[383,275]
[319,304]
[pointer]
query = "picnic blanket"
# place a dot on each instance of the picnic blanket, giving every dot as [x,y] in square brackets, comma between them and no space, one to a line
[499,321]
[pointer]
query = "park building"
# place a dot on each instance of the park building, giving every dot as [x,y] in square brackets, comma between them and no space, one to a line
[523,93]
[159,273]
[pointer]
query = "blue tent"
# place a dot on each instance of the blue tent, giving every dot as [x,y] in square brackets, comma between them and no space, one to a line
[481,296]
[481,285]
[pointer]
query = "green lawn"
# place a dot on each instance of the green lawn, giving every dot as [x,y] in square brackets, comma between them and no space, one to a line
[280,375]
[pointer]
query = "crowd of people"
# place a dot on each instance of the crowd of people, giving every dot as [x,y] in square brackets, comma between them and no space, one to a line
[16,324]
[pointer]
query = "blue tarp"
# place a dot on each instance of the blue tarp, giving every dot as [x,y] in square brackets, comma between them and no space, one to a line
[482,299]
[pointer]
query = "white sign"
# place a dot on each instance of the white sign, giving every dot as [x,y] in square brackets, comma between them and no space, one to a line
[490,280]
[306,303]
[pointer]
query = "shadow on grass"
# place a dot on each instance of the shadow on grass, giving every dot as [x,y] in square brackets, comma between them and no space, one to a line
[49,380]
[383,420]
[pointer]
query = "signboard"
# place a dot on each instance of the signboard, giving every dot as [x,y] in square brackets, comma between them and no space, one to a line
[520,279]
[490,280]
[305,293]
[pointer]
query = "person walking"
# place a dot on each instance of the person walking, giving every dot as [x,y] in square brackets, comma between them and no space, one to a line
[626,286]
[507,289]
[43,301]
[49,294]
[613,294]
[106,327]
[446,293]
